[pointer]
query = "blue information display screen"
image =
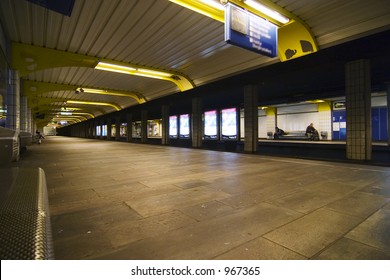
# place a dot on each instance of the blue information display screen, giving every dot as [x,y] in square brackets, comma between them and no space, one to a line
[249,31]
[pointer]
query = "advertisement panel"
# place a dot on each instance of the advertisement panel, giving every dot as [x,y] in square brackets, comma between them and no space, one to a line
[173,127]
[229,124]
[210,125]
[184,126]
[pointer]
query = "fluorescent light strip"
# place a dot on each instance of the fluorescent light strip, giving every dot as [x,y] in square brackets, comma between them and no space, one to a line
[133,71]
[114,67]
[214,4]
[102,91]
[217,14]
[267,11]
[153,72]
[93,103]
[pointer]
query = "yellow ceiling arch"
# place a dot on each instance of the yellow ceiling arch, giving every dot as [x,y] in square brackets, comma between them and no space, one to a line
[35,88]
[28,59]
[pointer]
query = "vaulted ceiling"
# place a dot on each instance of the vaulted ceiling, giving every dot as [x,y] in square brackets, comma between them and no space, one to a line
[154,34]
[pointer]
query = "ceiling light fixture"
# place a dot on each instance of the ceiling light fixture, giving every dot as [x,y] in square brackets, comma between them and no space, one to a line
[214,3]
[208,8]
[182,82]
[132,71]
[93,103]
[66,113]
[267,11]
[216,10]
[139,97]
[115,68]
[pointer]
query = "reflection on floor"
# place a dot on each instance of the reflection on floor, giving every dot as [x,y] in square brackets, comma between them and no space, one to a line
[114,200]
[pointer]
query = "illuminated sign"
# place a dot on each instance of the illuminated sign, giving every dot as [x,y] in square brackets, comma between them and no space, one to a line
[229,123]
[184,126]
[210,125]
[173,126]
[249,31]
[104,130]
[98,130]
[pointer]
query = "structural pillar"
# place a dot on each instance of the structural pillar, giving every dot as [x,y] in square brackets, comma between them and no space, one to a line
[358,108]
[23,114]
[165,124]
[197,128]
[144,126]
[109,129]
[29,121]
[129,121]
[117,128]
[388,114]
[13,102]
[251,122]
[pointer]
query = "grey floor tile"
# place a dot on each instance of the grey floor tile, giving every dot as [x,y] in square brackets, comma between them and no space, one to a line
[347,249]
[260,249]
[174,200]
[208,238]
[208,210]
[375,231]
[313,232]
[306,201]
[359,204]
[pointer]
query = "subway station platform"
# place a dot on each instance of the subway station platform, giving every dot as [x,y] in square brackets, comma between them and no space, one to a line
[116,200]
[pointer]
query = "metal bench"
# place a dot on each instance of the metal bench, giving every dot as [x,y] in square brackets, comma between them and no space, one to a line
[25,228]
[294,135]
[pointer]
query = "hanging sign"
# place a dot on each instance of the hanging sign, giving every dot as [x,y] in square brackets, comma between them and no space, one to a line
[249,31]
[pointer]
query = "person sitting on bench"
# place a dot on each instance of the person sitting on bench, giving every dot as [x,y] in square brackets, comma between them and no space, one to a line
[312,133]
[278,132]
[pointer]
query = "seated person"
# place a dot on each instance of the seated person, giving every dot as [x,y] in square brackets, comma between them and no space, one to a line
[312,133]
[278,132]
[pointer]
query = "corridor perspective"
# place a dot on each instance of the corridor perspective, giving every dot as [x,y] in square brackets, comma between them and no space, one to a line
[118,200]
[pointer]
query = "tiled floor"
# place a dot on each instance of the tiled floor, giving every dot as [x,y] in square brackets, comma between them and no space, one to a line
[115,200]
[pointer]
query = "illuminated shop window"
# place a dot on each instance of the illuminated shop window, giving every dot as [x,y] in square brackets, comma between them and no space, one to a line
[136,129]
[123,130]
[113,130]
[154,129]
